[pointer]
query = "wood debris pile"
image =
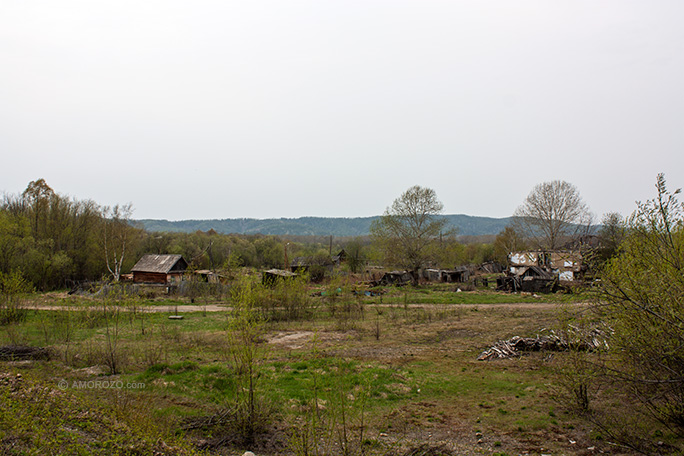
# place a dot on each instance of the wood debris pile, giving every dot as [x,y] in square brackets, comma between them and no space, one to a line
[573,338]
[22,352]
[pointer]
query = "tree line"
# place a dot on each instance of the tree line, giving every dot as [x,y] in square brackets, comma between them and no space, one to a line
[55,241]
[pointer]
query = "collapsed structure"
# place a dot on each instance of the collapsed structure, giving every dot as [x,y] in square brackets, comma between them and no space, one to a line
[541,271]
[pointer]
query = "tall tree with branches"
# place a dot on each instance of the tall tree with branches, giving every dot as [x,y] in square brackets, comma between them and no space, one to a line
[552,213]
[408,231]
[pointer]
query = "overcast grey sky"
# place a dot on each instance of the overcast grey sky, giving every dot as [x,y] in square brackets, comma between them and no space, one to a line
[272,108]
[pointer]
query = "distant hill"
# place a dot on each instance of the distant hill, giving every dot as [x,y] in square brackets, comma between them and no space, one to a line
[316,226]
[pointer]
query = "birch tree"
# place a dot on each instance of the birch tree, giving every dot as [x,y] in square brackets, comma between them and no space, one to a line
[116,230]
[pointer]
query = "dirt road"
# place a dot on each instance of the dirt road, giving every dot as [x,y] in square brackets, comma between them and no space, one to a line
[184,308]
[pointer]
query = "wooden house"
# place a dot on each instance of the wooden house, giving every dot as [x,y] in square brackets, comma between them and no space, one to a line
[163,269]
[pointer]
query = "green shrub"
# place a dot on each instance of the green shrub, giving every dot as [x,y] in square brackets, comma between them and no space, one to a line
[13,289]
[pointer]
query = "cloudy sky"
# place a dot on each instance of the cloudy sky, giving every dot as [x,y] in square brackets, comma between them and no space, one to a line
[271,108]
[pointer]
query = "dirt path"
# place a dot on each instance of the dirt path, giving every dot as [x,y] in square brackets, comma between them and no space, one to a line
[184,308]
[501,305]
[160,308]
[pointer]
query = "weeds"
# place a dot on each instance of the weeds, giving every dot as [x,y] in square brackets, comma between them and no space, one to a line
[250,413]
[13,290]
[334,419]
[37,419]
[579,372]
[284,300]
[345,307]
[402,371]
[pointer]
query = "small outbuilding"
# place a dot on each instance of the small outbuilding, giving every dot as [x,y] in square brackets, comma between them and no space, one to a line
[394,278]
[340,257]
[162,269]
[458,274]
[208,276]
[273,276]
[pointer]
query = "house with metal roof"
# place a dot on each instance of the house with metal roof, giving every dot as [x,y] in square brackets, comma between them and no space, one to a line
[164,269]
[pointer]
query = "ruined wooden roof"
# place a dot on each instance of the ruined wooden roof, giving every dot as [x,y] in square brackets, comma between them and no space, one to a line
[301,262]
[533,271]
[280,272]
[162,264]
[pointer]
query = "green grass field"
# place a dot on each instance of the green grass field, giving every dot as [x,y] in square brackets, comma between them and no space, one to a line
[381,377]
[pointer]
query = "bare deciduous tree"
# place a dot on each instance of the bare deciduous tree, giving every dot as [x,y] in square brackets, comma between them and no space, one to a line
[506,242]
[551,213]
[407,231]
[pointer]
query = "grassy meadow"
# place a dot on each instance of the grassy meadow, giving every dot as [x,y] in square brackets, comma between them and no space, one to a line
[395,373]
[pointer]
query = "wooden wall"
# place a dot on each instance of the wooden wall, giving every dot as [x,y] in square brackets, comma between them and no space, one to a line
[149,277]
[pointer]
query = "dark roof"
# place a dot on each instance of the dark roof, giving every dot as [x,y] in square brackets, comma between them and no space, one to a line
[533,271]
[162,264]
[301,262]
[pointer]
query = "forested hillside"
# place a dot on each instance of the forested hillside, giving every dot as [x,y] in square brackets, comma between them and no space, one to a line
[316,226]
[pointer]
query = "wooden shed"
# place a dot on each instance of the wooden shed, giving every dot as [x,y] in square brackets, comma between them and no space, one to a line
[273,276]
[458,274]
[162,269]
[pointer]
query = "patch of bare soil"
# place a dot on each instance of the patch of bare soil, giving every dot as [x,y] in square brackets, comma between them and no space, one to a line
[294,340]
[291,340]
[378,353]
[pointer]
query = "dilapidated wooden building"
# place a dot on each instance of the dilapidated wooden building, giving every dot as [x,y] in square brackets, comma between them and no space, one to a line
[394,278]
[458,274]
[566,265]
[162,269]
[273,276]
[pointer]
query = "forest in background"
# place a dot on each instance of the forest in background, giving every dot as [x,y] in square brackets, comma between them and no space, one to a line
[56,242]
[465,225]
